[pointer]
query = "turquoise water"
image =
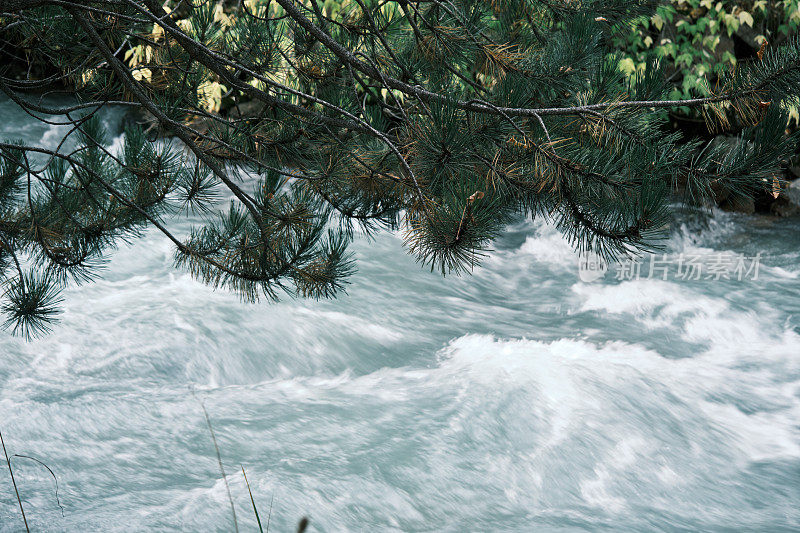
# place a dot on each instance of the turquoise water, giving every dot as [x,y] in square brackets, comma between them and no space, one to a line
[515,399]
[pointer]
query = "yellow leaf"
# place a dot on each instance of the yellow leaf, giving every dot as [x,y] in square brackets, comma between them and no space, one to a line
[210,94]
[142,74]
[657,21]
[186,26]
[746,18]
[221,17]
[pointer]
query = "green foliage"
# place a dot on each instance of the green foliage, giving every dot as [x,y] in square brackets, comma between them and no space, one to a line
[694,39]
[442,119]
[31,304]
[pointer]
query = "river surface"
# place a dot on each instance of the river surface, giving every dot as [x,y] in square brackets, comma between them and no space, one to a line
[519,398]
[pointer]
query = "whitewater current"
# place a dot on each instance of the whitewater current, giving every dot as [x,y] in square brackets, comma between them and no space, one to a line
[518,398]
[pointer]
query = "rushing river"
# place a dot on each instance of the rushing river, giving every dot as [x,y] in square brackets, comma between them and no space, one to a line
[515,399]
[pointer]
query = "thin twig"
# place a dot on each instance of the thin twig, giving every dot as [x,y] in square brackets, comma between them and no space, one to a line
[255,510]
[269,516]
[13,481]
[51,473]
[219,459]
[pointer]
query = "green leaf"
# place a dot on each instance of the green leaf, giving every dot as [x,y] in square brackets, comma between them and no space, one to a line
[627,66]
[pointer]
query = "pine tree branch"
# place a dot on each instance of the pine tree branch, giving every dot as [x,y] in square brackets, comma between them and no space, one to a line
[133,87]
[132,205]
[478,105]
